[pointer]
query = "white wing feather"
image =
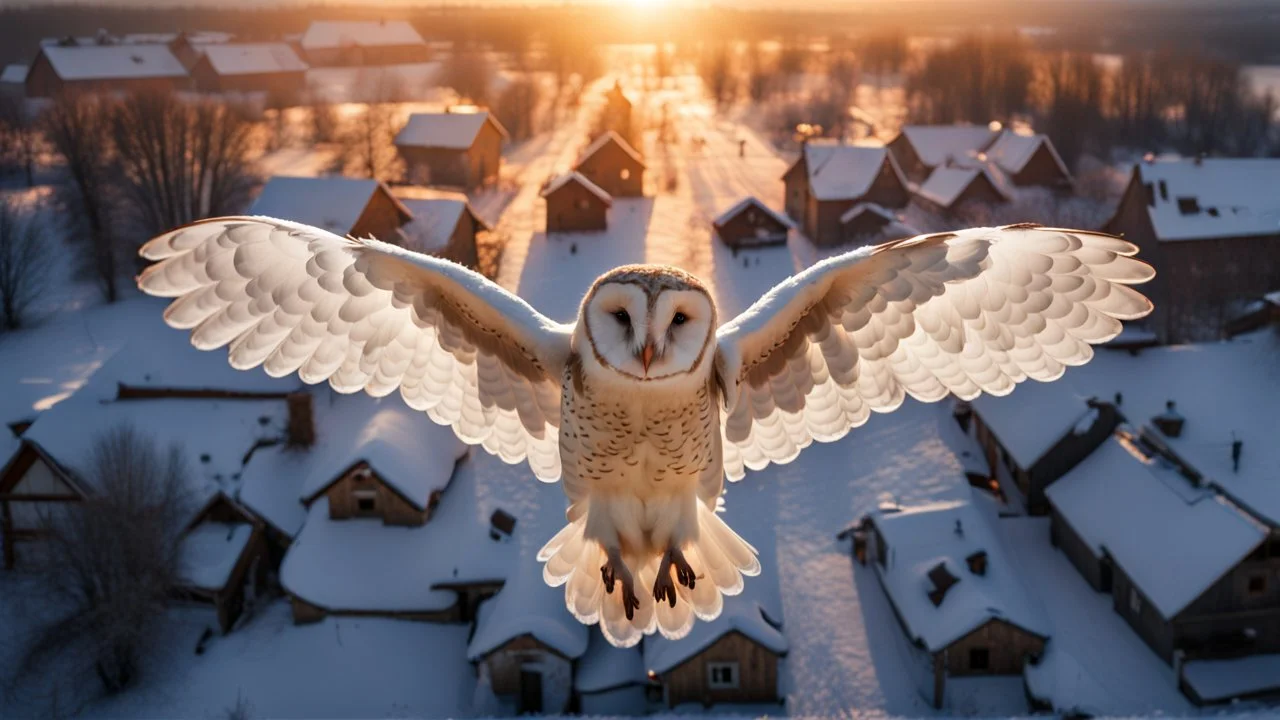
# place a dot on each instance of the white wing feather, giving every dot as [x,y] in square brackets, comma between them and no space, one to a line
[366,315]
[967,312]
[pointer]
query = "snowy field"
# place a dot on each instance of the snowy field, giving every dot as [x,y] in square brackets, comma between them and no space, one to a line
[847,654]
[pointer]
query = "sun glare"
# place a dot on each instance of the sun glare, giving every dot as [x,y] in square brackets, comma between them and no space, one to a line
[646,4]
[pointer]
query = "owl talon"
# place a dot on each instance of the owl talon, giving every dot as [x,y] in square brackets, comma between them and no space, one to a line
[663,589]
[684,571]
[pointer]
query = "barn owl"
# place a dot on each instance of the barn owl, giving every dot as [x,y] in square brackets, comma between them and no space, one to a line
[647,403]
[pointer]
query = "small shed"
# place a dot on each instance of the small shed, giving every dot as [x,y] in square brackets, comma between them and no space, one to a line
[953,591]
[1029,159]
[272,68]
[611,163]
[223,558]
[444,224]
[750,223]
[344,206]
[454,149]
[575,204]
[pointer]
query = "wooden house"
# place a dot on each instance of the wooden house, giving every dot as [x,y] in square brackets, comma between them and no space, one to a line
[1038,433]
[344,206]
[454,149]
[32,486]
[610,680]
[953,592]
[575,204]
[104,68]
[1029,160]
[272,68]
[830,178]
[617,111]
[870,224]
[750,223]
[223,559]
[355,42]
[444,224]
[1193,220]
[950,189]
[919,149]
[611,163]
[732,659]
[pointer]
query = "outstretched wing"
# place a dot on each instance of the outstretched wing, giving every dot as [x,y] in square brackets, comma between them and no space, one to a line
[366,315]
[966,312]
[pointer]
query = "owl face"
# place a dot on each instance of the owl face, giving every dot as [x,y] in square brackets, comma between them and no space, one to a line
[648,324]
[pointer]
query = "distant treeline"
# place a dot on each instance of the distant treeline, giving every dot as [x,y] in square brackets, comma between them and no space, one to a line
[1236,30]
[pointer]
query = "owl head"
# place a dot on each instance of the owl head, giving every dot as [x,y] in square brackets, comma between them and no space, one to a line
[647,323]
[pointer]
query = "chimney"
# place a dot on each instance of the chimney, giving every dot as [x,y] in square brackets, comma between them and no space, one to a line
[301,432]
[959,528]
[1119,399]
[501,525]
[1237,447]
[1169,422]
[977,562]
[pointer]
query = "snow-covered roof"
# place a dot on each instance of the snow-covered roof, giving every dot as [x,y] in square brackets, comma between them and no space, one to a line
[1012,150]
[605,667]
[209,553]
[448,130]
[935,144]
[434,221]
[573,176]
[404,447]
[332,203]
[751,201]
[198,37]
[214,434]
[526,605]
[609,137]
[13,73]
[1213,197]
[106,62]
[1034,417]
[348,33]
[922,537]
[1217,412]
[741,614]
[1223,680]
[844,172]
[1136,506]
[865,207]
[946,183]
[253,58]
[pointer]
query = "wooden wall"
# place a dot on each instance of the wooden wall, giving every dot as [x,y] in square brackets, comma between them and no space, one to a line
[437,166]
[912,166]
[796,183]
[573,208]
[1008,649]
[1065,538]
[752,227]
[757,674]
[864,226]
[1155,630]
[381,218]
[1065,454]
[606,167]
[462,242]
[389,506]
[1041,171]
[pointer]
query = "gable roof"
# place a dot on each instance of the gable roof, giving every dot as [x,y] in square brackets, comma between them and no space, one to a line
[14,73]
[866,207]
[1029,421]
[447,130]
[946,184]
[363,33]
[1222,197]
[108,62]
[1127,501]
[1012,151]
[922,538]
[935,144]
[751,201]
[844,172]
[209,552]
[435,216]
[526,605]
[331,203]
[610,137]
[740,614]
[253,58]
[579,179]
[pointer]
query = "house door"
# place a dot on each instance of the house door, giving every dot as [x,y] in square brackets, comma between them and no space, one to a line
[530,692]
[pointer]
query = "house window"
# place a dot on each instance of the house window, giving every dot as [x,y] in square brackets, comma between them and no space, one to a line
[751,216]
[979,659]
[1135,601]
[624,174]
[583,204]
[722,675]
[366,500]
[1257,584]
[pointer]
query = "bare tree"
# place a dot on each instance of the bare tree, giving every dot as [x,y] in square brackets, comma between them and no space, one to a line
[19,138]
[468,72]
[181,161]
[111,563]
[79,128]
[368,143]
[324,122]
[517,107]
[23,270]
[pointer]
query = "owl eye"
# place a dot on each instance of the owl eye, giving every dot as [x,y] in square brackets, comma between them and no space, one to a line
[679,319]
[622,316]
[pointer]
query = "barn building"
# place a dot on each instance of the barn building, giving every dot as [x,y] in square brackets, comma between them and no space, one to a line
[105,68]
[1194,220]
[1036,434]
[955,595]
[611,163]
[343,206]
[830,178]
[750,223]
[454,149]
[356,42]
[732,659]
[950,189]
[444,224]
[272,68]
[575,204]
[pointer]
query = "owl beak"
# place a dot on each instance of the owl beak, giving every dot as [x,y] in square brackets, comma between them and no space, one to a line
[646,356]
